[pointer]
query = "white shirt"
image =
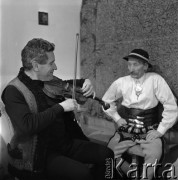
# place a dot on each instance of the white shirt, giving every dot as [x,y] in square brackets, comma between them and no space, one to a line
[152,89]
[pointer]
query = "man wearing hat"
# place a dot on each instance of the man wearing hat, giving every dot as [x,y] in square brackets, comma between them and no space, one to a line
[141,91]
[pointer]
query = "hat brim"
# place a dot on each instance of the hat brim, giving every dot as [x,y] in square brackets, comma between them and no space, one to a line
[134,56]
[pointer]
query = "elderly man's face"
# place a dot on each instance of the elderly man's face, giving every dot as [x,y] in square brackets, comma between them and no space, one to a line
[136,67]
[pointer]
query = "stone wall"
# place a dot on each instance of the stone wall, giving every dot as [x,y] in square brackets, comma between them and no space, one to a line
[110,29]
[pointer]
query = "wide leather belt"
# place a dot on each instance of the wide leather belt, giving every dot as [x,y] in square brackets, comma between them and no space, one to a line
[139,116]
[135,129]
[129,132]
[139,122]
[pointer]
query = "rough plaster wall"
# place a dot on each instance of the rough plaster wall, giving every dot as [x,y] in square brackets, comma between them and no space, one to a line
[110,29]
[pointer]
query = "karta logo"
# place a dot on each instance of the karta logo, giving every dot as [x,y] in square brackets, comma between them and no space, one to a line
[167,173]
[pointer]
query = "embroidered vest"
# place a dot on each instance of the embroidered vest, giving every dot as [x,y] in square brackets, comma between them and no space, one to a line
[22,148]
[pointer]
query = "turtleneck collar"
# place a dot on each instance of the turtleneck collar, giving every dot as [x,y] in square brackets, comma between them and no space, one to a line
[36,87]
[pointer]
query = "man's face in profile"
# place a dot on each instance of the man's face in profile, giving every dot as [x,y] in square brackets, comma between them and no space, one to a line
[46,70]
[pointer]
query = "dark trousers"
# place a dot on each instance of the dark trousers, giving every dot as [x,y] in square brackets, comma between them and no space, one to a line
[74,165]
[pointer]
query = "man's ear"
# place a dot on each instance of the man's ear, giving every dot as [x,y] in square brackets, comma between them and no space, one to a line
[35,65]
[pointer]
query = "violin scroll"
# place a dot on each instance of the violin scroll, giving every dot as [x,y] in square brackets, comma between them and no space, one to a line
[104,104]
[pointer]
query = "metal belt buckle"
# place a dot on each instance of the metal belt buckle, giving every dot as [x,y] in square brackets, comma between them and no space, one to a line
[139,126]
[136,121]
[139,117]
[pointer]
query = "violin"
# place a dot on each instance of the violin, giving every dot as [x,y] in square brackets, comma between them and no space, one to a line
[56,88]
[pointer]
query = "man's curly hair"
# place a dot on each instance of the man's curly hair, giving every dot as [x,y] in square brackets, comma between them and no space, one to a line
[36,50]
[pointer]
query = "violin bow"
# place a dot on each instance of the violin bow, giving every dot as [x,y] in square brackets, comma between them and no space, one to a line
[75,66]
[105,105]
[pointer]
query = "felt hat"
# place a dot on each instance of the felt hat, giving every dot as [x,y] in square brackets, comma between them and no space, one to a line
[139,54]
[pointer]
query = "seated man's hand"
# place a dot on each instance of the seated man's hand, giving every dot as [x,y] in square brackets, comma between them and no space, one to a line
[153,134]
[87,88]
[121,122]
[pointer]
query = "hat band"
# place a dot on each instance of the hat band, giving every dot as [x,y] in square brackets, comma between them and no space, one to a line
[139,56]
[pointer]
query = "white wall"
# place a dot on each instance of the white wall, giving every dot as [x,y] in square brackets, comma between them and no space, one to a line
[20,24]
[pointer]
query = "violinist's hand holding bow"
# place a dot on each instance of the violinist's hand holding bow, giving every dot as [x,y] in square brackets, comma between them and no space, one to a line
[69,105]
[87,88]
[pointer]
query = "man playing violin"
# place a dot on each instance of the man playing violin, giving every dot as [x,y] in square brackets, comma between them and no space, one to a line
[47,140]
[138,121]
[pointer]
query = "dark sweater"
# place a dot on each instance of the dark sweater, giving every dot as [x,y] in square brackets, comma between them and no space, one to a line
[55,128]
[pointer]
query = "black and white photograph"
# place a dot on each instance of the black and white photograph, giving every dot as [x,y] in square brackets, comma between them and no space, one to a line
[88,89]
